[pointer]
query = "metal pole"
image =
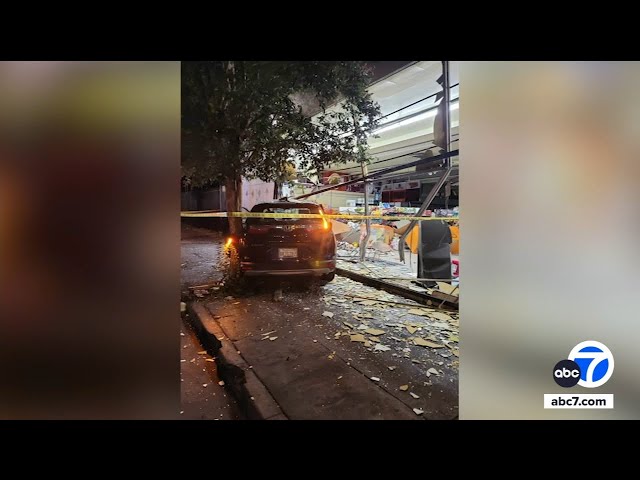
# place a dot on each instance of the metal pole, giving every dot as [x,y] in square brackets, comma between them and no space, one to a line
[435,159]
[434,191]
[363,245]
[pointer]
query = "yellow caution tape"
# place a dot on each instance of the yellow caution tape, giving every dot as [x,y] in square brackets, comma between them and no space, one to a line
[310,215]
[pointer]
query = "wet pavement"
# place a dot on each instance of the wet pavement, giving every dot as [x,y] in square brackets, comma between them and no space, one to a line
[202,397]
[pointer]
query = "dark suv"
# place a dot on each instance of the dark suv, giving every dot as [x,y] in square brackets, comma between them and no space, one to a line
[288,246]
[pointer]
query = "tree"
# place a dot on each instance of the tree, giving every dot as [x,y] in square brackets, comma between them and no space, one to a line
[245,119]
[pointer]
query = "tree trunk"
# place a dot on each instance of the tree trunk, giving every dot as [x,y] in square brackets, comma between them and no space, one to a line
[233,188]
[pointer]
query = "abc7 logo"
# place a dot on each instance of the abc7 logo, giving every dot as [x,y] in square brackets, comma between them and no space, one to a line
[590,365]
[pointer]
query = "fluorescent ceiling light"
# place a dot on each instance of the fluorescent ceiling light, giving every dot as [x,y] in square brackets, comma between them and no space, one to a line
[417,118]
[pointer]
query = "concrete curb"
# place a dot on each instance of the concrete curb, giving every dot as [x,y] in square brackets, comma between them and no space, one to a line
[252,396]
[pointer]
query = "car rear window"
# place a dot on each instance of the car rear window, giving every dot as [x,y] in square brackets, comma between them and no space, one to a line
[287,210]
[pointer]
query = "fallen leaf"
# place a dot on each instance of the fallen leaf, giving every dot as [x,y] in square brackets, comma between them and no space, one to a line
[375,331]
[426,343]
[414,395]
[209,360]
[374,339]
[272,338]
[367,343]
[358,338]
[375,379]
[404,388]
[381,348]
[202,352]
[411,329]
[433,371]
[327,314]
[417,411]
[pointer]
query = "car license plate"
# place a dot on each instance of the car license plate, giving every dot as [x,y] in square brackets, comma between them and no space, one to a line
[287,253]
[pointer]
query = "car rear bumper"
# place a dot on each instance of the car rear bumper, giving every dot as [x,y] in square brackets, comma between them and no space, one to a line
[321,267]
[316,272]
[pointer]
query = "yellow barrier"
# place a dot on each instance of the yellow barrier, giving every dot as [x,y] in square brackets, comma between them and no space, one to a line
[310,215]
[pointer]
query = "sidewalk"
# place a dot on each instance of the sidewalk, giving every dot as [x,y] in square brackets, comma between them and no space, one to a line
[313,369]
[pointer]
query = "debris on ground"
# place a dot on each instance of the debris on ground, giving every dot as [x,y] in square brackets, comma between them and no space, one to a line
[417,411]
[272,338]
[392,368]
[426,343]
[202,352]
[358,338]
[183,307]
[381,348]
[404,388]
[327,314]
[432,371]
[375,331]
[375,379]
[414,395]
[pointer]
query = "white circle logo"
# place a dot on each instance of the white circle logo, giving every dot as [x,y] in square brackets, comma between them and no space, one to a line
[595,361]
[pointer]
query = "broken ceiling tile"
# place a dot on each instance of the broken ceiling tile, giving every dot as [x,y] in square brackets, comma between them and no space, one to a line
[426,343]
[375,331]
[381,348]
[358,338]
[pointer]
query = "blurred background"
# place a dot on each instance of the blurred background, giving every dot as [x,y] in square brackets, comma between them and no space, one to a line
[550,208]
[89,233]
